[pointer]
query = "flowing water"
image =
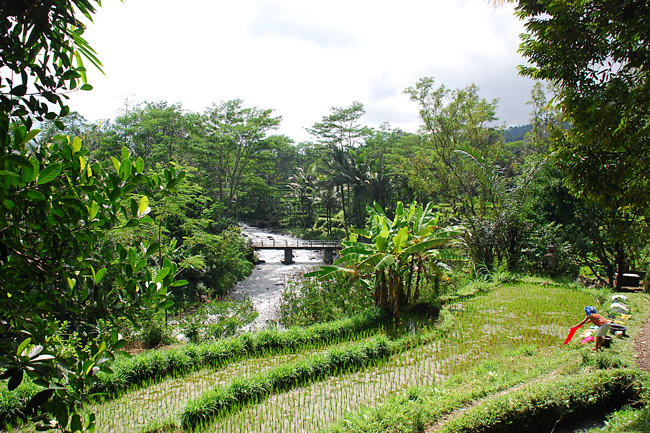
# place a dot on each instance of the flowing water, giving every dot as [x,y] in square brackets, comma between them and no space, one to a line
[264,286]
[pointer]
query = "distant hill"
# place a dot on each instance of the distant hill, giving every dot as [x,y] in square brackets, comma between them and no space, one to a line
[516,133]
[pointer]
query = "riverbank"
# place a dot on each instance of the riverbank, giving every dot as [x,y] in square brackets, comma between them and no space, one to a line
[269,277]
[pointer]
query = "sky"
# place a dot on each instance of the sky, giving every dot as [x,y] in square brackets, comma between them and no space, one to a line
[302,57]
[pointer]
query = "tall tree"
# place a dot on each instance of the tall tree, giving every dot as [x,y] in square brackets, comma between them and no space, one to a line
[341,131]
[234,135]
[156,131]
[452,121]
[597,53]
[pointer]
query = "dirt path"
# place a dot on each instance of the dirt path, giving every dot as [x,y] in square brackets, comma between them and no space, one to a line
[641,348]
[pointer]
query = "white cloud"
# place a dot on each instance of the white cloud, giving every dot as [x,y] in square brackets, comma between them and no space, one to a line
[303,57]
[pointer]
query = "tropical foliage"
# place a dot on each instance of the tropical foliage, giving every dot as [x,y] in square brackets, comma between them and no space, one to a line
[402,253]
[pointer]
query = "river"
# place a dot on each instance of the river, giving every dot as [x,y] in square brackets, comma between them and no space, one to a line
[265,284]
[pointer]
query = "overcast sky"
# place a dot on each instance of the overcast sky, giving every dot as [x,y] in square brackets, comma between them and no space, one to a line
[303,57]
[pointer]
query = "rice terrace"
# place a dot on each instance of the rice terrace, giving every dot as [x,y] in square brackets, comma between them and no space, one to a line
[436,220]
[352,374]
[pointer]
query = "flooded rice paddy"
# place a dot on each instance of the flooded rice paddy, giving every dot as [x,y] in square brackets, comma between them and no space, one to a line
[484,326]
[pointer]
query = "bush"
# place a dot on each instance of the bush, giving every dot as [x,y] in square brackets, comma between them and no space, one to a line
[217,320]
[148,330]
[220,260]
[307,301]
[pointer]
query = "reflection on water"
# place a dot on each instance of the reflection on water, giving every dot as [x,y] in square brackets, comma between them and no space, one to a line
[264,286]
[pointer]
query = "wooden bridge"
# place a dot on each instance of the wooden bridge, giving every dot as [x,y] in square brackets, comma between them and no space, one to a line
[328,247]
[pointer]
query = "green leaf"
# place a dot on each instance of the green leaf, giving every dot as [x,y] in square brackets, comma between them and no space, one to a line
[132,257]
[126,153]
[153,248]
[80,68]
[83,163]
[40,398]
[86,87]
[134,222]
[141,264]
[15,380]
[49,173]
[19,160]
[143,206]
[381,241]
[61,413]
[30,173]
[99,276]
[8,173]
[179,283]
[75,422]
[76,145]
[401,238]
[22,348]
[93,209]
[8,204]
[160,275]
[116,164]
[35,195]
[139,165]
[166,304]
[20,90]
[125,169]
[385,262]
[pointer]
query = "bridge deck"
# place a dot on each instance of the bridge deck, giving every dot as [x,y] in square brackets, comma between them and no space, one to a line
[272,244]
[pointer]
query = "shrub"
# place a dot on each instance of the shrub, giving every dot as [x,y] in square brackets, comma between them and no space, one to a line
[217,320]
[148,330]
[307,301]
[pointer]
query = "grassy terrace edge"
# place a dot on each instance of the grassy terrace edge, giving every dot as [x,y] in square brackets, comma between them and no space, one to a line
[541,405]
[157,364]
[352,357]
[130,372]
[224,399]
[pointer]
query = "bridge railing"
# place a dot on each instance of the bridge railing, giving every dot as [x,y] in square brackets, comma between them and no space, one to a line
[299,243]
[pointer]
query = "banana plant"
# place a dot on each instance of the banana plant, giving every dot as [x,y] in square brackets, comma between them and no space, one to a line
[394,257]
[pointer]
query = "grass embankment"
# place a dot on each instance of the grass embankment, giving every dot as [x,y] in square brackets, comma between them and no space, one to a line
[149,368]
[256,388]
[157,364]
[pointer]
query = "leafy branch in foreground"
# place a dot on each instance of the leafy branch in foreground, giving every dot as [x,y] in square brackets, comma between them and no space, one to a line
[61,275]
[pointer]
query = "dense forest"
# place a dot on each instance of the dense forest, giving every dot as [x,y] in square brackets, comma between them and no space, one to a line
[509,194]
[111,227]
